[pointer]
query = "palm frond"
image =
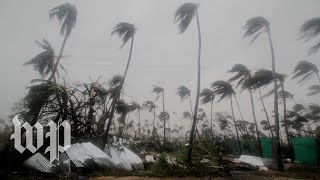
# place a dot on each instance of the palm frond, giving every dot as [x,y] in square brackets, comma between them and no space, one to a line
[254,27]
[304,70]
[164,116]
[125,31]
[207,95]
[222,89]
[242,74]
[67,15]
[315,89]
[183,92]
[149,105]
[184,15]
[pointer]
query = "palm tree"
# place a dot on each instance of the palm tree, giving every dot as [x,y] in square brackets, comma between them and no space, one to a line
[164,116]
[134,106]
[208,96]
[184,94]
[224,90]
[67,15]
[254,27]
[183,16]
[160,92]
[309,30]
[151,108]
[242,75]
[44,61]
[125,31]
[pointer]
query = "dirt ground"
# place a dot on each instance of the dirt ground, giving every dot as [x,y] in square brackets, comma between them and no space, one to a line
[253,175]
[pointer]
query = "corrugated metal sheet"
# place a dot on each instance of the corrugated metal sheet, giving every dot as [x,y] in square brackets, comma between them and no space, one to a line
[90,156]
[39,163]
[99,157]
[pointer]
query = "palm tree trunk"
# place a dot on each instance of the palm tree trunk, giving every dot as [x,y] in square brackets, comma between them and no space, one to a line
[276,110]
[211,119]
[266,113]
[285,124]
[197,131]
[58,58]
[116,97]
[139,124]
[235,125]
[164,121]
[255,121]
[154,119]
[189,155]
[235,97]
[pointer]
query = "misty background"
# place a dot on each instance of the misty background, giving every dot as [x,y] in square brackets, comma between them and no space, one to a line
[161,56]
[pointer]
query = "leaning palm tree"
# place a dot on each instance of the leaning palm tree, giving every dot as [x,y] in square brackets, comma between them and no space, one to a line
[183,16]
[208,97]
[125,31]
[242,75]
[44,61]
[67,15]
[254,27]
[184,93]
[151,108]
[134,106]
[224,90]
[309,30]
[305,70]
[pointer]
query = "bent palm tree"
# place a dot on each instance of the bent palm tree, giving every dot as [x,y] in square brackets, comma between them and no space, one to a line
[309,30]
[183,16]
[254,27]
[67,15]
[208,96]
[125,31]
[243,74]
[224,90]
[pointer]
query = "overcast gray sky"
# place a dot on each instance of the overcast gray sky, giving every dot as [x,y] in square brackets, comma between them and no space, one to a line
[161,56]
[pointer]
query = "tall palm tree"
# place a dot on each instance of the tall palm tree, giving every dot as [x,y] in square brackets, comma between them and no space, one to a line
[160,92]
[125,31]
[309,30]
[151,108]
[44,61]
[242,75]
[208,97]
[224,90]
[183,16]
[67,15]
[134,106]
[254,27]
